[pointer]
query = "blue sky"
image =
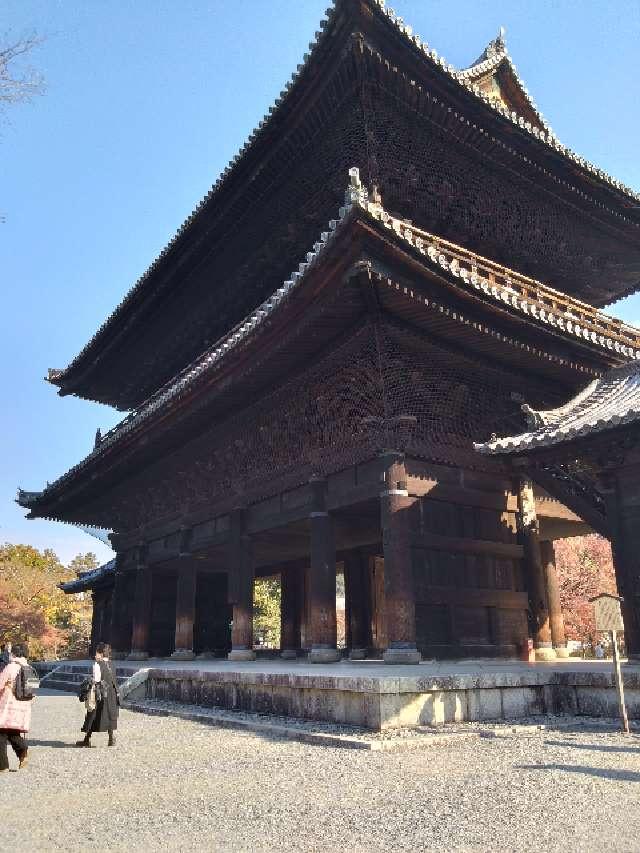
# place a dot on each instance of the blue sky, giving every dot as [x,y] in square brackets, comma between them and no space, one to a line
[146,102]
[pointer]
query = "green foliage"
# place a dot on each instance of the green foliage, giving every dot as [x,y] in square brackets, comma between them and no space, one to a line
[266,611]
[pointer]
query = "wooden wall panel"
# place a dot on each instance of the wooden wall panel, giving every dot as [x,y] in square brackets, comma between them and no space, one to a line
[468,576]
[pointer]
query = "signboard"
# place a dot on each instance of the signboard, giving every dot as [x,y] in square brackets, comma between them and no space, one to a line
[609,618]
[608,614]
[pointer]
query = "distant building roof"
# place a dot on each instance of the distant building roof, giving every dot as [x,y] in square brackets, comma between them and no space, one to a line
[88,580]
[607,403]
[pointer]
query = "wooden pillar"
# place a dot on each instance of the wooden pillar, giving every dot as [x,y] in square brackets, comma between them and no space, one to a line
[241,589]
[622,500]
[556,619]
[97,616]
[289,612]
[185,600]
[357,598]
[141,609]
[398,570]
[185,612]
[321,589]
[120,638]
[534,572]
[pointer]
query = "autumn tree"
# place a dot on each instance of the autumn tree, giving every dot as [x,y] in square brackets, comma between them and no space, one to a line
[33,609]
[585,569]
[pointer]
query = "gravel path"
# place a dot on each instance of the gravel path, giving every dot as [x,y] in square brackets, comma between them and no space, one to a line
[176,785]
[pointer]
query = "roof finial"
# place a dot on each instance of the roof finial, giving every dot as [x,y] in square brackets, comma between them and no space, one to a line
[356,192]
[502,33]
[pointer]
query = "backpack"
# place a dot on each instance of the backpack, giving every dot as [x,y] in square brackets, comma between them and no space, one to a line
[20,691]
[85,689]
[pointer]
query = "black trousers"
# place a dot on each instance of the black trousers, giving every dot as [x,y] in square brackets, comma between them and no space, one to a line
[18,744]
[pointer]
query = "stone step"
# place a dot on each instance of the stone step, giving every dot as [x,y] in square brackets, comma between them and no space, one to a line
[60,684]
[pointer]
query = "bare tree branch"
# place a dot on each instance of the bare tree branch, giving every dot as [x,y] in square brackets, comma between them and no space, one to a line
[18,86]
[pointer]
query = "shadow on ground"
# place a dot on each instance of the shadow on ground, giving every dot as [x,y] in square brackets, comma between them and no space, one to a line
[599,772]
[54,744]
[599,747]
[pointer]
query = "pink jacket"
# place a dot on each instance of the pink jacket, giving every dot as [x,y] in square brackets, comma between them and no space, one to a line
[13,714]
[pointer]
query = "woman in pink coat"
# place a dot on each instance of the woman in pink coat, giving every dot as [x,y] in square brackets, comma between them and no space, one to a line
[15,715]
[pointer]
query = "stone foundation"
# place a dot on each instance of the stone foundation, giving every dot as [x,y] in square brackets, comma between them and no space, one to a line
[378,702]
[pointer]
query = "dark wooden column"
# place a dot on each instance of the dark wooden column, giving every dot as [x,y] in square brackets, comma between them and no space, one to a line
[534,572]
[97,617]
[357,601]
[321,589]
[141,609]
[120,627]
[290,577]
[241,588]
[621,491]
[398,570]
[185,600]
[556,619]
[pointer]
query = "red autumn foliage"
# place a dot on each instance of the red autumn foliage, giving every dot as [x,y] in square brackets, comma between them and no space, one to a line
[585,569]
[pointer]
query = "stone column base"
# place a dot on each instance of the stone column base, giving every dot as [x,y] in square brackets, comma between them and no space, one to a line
[137,655]
[562,652]
[400,655]
[205,656]
[545,654]
[183,654]
[323,655]
[358,654]
[241,654]
[288,654]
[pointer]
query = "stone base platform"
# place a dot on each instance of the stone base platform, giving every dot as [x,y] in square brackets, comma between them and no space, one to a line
[377,696]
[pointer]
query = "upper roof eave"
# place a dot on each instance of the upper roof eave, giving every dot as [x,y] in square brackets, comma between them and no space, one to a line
[62,378]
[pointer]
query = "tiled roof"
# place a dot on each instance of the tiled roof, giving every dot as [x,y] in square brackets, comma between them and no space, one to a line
[494,55]
[86,580]
[606,403]
[547,136]
[526,296]
[464,78]
[506,288]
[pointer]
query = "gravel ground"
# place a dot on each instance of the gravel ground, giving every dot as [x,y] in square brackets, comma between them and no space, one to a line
[175,785]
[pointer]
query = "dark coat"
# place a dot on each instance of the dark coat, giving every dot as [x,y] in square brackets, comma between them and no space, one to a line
[105,716]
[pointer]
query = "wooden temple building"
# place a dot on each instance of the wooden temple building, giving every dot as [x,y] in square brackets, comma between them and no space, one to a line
[398,257]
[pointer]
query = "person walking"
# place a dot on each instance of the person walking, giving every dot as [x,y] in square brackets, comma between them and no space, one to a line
[15,713]
[104,717]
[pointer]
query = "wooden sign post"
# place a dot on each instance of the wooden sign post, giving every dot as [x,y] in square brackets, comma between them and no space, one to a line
[609,618]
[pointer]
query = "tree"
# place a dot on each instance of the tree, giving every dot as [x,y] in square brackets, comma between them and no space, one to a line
[585,569]
[33,609]
[19,86]
[266,610]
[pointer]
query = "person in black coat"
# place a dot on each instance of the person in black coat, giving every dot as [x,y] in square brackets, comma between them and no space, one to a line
[104,718]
